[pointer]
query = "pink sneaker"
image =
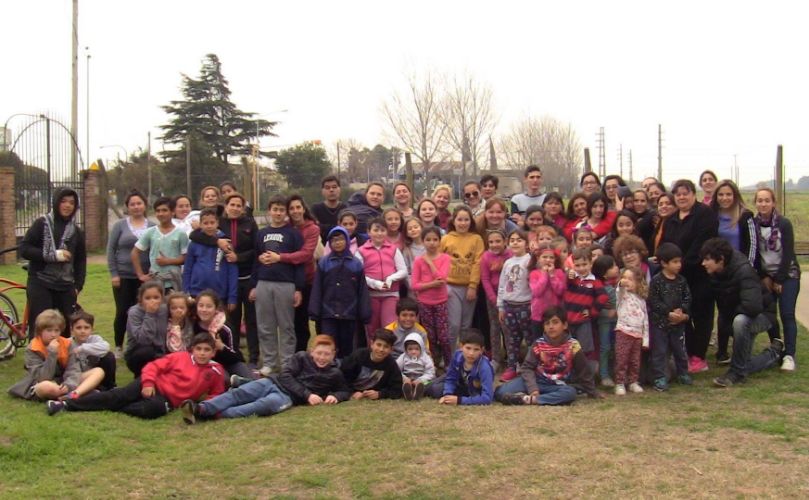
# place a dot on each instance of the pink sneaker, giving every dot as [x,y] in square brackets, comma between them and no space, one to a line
[509,374]
[697,365]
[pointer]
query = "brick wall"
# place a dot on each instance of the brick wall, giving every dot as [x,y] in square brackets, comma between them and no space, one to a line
[8,216]
[95,210]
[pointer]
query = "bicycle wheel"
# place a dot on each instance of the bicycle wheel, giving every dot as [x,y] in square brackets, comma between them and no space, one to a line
[7,338]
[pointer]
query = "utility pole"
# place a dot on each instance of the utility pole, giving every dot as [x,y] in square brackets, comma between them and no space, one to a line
[588,167]
[87,125]
[630,165]
[149,165]
[660,152]
[779,179]
[74,90]
[621,159]
[188,165]
[338,159]
[602,154]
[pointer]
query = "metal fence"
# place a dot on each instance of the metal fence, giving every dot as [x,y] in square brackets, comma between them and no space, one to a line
[50,159]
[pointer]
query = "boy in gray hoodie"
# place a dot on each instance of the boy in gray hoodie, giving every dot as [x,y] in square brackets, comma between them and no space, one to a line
[417,367]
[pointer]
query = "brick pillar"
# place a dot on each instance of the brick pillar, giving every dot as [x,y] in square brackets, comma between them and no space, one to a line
[8,215]
[95,210]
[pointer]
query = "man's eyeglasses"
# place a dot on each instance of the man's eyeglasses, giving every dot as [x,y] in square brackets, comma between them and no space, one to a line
[473,194]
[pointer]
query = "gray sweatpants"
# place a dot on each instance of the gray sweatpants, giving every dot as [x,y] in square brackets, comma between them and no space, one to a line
[275,318]
[460,312]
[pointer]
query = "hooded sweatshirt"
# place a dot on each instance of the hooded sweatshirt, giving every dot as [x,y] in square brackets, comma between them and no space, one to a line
[339,290]
[365,212]
[419,368]
[401,334]
[244,242]
[59,276]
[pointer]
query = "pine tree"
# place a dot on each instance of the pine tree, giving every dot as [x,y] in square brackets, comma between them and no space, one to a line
[218,130]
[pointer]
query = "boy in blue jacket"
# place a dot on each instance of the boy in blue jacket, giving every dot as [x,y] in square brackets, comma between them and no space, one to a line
[339,298]
[206,267]
[276,288]
[470,377]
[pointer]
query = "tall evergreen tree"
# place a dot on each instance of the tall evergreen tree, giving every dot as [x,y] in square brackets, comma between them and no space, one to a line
[207,112]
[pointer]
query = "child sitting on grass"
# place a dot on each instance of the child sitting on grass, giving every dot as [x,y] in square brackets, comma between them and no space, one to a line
[553,369]
[53,369]
[308,378]
[146,327]
[407,315]
[92,350]
[163,385]
[417,367]
[470,377]
[371,372]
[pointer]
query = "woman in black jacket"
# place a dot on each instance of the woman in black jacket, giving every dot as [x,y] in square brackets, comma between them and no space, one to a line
[54,246]
[691,226]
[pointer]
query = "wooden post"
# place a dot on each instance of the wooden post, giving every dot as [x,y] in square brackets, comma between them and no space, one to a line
[409,173]
[588,166]
[779,179]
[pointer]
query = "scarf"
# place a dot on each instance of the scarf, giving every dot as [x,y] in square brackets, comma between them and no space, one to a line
[62,354]
[773,222]
[49,246]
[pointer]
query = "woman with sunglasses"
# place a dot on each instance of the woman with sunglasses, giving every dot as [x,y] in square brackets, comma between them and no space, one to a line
[472,198]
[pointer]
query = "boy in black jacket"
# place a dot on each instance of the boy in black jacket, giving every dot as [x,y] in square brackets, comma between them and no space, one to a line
[371,372]
[745,308]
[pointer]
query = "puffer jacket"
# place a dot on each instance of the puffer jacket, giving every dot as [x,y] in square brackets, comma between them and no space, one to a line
[338,289]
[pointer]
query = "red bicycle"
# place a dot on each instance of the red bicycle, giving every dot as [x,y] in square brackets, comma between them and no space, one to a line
[13,327]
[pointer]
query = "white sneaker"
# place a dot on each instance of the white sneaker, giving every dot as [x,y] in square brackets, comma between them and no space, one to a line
[788,364]
[635,387]
[620,390]
[607,382]
[265,371]
[118,353]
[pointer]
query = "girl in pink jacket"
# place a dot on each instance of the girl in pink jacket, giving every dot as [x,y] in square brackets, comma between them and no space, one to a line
[547,281]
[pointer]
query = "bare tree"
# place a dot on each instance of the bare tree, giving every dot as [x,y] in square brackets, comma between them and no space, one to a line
[549,143]
[469,118]
[413,119]
[340,151]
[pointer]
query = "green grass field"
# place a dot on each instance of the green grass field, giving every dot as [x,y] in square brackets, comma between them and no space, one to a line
[692,441]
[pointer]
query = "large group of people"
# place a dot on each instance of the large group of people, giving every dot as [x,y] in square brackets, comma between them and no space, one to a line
[618,287]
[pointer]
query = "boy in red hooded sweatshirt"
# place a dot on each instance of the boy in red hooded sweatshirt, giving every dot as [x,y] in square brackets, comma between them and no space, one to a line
[164,384]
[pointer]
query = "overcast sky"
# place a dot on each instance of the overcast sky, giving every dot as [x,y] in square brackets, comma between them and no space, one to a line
[723,78]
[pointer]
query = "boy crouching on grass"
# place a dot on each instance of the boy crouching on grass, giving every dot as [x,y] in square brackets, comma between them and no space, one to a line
[163,385]
[470,377]
[371,372]
[91,349]
[52,366]
[417,367]
[554,368]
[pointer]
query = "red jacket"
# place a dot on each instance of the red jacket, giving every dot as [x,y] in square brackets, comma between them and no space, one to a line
[178,377]
[306,255]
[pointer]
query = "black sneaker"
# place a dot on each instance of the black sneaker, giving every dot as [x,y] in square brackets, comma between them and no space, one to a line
[515,398]
[418,392]
[722,358]
[55,407]
[728,380]
[188,408]
[407,391]
[777,345]
[236,381]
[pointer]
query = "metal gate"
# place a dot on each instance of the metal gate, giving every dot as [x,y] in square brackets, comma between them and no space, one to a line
[49,159]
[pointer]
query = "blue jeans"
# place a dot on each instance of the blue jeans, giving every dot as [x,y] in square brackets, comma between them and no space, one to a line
[260,397]
[745,329]
[606,341]
[786,308]
[549,394]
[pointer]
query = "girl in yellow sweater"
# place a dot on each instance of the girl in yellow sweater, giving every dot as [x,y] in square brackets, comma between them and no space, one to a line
[464,247]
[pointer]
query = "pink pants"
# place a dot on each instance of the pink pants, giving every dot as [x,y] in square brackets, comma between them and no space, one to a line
[383,313]
[627,358]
